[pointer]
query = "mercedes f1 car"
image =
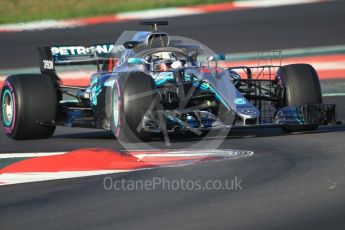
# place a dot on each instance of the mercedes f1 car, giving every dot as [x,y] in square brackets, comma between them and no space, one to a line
[150,82]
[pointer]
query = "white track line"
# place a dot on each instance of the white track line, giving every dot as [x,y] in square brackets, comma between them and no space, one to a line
[158,13]
[333,94]
[228,153]
[272,3]
[17,178]
[26,155]
[23,177]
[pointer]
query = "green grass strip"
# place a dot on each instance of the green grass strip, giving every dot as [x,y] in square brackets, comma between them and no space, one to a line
[13,11]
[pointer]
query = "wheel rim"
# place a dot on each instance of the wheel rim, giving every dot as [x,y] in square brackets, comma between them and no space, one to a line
[7,107]
[115,109]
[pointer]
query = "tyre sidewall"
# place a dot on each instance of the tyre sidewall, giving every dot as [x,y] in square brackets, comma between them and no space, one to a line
[9,128]
[125,117]
[298,85]
[35,101]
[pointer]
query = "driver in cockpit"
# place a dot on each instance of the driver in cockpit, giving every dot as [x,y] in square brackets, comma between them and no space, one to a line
[165,61]
[163,65]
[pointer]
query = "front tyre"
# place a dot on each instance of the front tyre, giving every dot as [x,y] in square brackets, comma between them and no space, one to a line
[133,97]
[299,85]
[26,100]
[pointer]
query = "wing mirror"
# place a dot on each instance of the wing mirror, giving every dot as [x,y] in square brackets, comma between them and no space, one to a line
[130,44]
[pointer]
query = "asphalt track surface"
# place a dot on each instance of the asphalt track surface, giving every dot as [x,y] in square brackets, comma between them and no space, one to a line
[291,182]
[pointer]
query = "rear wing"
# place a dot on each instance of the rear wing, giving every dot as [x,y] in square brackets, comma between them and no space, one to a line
[73,55]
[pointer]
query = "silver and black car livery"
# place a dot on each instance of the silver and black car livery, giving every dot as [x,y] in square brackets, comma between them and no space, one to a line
[150,82]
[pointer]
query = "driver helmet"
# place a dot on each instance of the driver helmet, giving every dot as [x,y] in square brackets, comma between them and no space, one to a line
[166,61]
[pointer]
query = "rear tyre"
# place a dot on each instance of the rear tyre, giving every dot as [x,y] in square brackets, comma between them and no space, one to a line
[299,85]
[133,97]
[26,100]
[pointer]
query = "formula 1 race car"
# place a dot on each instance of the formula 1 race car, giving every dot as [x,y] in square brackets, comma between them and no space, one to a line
[150,82]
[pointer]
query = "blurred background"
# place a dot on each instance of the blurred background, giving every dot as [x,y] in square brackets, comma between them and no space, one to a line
[308,31]
[29,10]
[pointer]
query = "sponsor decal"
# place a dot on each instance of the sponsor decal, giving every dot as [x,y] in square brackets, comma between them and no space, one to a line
[240,101]
[249,111]
[48,64]
[81,50]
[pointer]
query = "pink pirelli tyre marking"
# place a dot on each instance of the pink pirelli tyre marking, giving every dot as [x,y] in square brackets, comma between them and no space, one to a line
[6,127]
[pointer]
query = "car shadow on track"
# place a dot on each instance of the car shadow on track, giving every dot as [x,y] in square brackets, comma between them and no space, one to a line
[97,134]
[235,133]
[258,133]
